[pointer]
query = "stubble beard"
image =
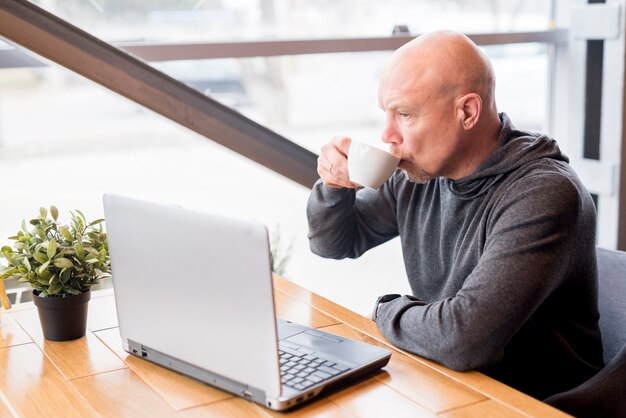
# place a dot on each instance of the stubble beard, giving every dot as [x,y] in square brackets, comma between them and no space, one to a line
[420,177]
[416,174]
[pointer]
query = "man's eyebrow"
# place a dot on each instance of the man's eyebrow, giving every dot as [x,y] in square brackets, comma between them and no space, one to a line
[396,103]
[399,104]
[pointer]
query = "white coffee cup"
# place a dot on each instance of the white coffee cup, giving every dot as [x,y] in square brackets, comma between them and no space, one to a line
[370,166]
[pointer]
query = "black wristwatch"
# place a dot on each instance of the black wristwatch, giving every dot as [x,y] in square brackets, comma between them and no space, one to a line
[383,299]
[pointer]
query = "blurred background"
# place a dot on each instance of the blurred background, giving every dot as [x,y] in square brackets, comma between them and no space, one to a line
[65,140]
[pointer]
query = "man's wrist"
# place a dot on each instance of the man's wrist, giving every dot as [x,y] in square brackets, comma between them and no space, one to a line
[383,299]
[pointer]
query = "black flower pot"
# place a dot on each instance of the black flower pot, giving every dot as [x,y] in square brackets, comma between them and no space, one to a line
[63,319]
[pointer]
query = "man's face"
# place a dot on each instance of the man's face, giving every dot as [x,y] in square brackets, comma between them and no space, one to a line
[419,125]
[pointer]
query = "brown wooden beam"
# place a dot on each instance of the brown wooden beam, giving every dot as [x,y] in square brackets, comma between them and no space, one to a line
[176,51]
[154,51]
[55,39]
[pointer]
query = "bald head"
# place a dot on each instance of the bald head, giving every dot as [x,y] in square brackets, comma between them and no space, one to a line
[438,97]
[446,63]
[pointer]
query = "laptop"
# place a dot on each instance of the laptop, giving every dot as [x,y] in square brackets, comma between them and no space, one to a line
[194,294]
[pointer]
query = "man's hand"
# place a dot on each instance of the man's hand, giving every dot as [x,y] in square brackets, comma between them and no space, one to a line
[332,164]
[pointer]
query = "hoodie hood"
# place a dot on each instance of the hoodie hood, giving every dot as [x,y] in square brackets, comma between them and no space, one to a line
[515,149]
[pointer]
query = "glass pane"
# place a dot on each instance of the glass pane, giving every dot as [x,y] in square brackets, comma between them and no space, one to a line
[310,98]
[65,141]
[223,20]
[522,84]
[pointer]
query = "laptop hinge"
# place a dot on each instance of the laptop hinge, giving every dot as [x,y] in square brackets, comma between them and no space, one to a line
[205,376]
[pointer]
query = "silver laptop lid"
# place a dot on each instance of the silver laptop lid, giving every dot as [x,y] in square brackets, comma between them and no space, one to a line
[196,287]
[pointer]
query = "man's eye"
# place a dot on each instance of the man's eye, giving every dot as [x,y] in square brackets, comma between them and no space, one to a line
[403,115]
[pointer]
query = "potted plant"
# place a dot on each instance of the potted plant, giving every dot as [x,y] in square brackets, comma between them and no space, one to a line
[60,263]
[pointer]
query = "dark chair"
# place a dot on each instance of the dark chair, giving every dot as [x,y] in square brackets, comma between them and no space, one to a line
[604,395]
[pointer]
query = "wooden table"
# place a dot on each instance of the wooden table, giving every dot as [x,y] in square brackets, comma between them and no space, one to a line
[93,376]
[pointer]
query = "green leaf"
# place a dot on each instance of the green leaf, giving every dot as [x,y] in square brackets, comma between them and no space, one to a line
[8,273]
[54,212]
[43,281]
[50,226]
[40,257]
[63,263]
[43,267]
[80,252]
[96,222]
[79,221]
[65,233]
[27,264]
[43,212]
[52,248]
[41,233]
[72,291]
[55,288]
[82,216]
[102,275]
[46,274]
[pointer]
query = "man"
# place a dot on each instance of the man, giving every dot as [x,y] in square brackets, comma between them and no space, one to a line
[497,231]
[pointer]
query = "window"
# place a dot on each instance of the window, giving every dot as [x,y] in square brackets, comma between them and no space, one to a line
[65,140]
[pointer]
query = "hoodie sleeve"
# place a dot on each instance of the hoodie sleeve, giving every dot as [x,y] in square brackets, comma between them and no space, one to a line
[346,222]
[531,234]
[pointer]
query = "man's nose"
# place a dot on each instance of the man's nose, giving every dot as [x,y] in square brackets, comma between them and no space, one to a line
[390,134]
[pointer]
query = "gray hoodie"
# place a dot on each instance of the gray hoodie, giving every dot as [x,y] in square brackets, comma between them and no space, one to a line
[501,263]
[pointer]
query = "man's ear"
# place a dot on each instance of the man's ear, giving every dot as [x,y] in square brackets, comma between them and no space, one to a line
[469,109]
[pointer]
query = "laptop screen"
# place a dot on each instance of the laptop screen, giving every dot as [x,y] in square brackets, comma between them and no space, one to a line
[196,287]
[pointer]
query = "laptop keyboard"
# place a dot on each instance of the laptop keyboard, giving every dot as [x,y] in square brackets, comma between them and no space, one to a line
[301,368]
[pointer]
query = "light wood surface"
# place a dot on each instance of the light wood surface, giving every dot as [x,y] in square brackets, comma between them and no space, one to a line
[4,410]
[177,390]
[11,333]
[33,387]
[122,393]
[485,409]
[433,390]
[233,407]
[94,376]
[480,383]
[79,358]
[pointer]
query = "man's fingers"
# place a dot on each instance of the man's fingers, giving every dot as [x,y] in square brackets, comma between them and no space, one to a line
[332,164]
